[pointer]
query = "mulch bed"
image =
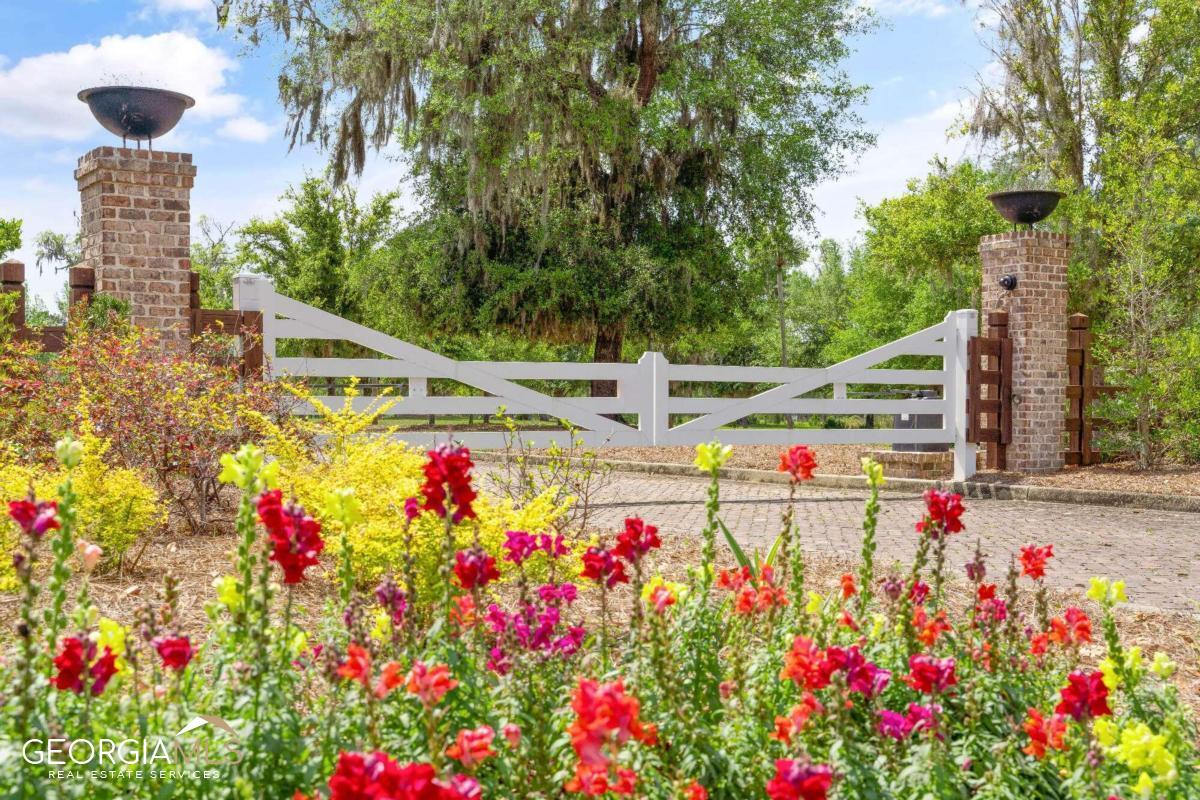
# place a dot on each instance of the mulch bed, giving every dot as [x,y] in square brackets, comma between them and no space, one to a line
[1119,476]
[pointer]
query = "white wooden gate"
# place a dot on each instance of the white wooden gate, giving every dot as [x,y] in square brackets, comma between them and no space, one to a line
[643,389]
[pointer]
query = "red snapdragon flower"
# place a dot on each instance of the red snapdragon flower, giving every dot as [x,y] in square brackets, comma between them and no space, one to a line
[472,746]
[357,666]
[918,592]
[797,718]
[1074,627]
[848,587]
[943,513]
[430,683]
[449,468]
[35,517]
[798,462]
[1044,733]
[1033,560]
[806,665]
[752,594]
[695,791]
[861,675]
[390,677]
[930,675]
[661,598]
[77,658]
[1085,695]
[734,579]
[602,566]
[295,536]
[175,651]
[636,540]
[463,612]
[512,735]
[474,568]
[928,630]
[375,776]
[797,780]
[605,719]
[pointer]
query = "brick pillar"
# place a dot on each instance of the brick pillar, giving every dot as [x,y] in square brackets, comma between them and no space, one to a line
[1037,325]
[12,279]
[136,226]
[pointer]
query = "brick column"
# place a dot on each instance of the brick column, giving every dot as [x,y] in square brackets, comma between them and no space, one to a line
[136,226]
[12,279]
[1037,325]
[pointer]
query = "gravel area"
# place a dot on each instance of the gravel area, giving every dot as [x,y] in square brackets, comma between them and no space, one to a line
[1122,476]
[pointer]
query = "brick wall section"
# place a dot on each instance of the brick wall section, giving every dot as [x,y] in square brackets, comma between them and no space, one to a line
[1037,324]
[136,224]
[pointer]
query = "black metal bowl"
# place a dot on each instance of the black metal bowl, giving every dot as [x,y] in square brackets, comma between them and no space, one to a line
[136,112]
[1025,206]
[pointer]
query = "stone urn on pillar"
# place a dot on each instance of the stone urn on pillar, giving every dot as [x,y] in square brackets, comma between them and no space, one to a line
[136,209]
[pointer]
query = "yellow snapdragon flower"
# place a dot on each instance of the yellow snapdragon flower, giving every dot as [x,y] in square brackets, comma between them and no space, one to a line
[1142,749]
[873,470]
[382,629]
[112,635]
[711,456]
[1105,592]
[248,470]
[1162,665]
[1105,731]
[815,601]
[342,506]
[229,594]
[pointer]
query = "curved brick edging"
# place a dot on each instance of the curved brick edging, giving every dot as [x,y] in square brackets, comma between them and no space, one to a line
[973,489]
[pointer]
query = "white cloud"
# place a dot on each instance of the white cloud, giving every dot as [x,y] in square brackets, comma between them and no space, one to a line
[245,129]
[38,93]
[902,151]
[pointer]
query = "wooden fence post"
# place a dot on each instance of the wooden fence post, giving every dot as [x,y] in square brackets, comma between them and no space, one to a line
[194,302]
[1080,392]
[997,452]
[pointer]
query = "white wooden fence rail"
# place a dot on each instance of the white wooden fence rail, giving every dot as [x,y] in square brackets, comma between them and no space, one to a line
[643,389]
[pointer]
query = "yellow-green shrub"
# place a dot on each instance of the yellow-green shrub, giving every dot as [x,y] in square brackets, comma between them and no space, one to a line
[337,449]
[115,505]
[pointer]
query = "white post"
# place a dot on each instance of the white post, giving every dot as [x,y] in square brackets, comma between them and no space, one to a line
[966,325]
[654,389]
[254,293]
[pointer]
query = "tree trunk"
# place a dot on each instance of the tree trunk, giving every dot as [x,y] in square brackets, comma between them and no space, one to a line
[607,348]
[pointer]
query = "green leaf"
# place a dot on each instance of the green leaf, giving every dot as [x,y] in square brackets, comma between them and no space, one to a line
[738,553]
[774,551]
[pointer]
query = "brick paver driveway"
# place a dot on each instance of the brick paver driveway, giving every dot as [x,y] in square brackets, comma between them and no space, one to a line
[1157,552]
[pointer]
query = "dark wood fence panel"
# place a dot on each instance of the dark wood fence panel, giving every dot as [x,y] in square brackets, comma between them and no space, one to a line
[246,325]
[989,390]
[81,282]
[1085,383]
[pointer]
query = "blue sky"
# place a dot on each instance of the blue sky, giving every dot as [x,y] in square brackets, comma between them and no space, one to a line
[921,62]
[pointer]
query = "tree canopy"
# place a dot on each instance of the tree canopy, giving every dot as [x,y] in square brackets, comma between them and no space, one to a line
[10,236]
[583,165]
